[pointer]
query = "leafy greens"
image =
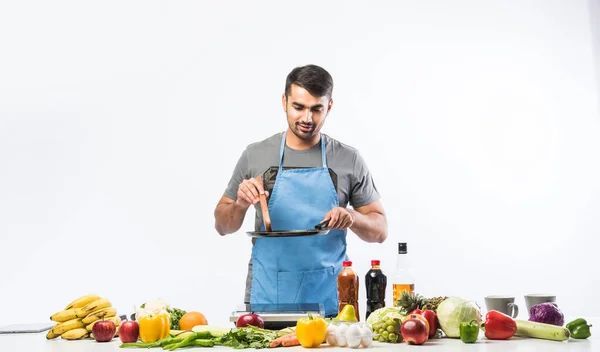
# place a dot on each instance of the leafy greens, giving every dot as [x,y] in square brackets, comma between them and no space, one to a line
[176,315]
[248,337]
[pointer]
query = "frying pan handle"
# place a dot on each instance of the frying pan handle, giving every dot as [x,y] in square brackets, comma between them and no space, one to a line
[265,208]
[322,226]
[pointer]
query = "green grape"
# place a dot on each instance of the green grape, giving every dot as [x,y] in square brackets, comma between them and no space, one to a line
[386,330]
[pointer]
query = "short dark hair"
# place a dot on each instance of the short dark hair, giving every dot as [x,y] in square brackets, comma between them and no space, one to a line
[315,79]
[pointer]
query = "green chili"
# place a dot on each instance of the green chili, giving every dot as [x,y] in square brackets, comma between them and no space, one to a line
[168,347]
[186,342]
[203,343]
[203,335]
[162,342]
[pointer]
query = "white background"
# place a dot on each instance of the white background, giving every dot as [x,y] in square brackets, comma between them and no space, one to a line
[121,122]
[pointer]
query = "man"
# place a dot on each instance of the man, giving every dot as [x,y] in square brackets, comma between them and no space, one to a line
[309,178]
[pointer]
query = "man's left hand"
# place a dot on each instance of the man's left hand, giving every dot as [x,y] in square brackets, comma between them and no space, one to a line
[339,218]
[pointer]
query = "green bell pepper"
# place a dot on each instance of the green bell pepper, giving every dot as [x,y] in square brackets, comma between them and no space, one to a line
[579,329]
[469,332]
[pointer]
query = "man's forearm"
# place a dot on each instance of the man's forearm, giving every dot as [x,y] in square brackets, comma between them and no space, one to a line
[371,227]
[229,217]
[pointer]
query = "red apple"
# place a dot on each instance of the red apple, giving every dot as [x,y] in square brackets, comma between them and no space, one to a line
[104,330]
[129,331]
[414,331]
[250,319]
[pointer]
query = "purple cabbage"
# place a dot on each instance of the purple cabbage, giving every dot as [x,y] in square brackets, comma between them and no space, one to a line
[546,313]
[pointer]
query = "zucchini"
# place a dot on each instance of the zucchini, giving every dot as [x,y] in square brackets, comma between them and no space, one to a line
[541,330]
[181,333]
[174,332]
[215,331]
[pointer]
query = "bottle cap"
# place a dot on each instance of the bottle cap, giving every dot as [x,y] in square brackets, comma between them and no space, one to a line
[347,263]
[402,248]
[374,262]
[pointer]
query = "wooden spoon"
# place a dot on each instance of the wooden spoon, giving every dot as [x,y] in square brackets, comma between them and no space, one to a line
[265,208]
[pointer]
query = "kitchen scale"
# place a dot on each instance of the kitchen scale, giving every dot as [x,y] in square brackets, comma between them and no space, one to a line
[279,316]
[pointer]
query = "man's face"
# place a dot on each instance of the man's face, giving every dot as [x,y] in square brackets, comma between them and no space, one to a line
[305,113]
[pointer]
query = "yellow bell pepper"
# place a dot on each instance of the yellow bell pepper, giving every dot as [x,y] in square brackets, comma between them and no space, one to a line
[154,327]
[311,331]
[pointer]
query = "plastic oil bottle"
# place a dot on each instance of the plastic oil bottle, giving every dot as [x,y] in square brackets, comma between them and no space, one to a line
[403,280]
[376,283]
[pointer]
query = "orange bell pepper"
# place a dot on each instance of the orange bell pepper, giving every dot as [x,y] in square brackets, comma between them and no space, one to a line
[154,327]
[311,332]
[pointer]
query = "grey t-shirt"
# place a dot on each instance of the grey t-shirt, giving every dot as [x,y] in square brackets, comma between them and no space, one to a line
[351,177]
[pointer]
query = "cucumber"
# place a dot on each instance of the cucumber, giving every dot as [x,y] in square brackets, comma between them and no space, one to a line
[541,330]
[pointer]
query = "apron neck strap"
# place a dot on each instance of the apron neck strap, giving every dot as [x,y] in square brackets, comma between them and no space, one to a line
[282,148]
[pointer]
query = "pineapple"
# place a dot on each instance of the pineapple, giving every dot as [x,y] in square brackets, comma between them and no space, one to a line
[410,301]
[433,303]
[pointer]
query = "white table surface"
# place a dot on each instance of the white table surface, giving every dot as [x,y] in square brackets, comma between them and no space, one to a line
[37,342]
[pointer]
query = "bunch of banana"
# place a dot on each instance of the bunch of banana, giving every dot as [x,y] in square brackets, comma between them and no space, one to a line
[75,322]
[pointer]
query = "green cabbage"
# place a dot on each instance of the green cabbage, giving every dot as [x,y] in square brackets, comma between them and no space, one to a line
[384,313]
[455,310]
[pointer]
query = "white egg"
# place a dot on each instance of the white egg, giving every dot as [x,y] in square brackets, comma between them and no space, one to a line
[340,335]
[366,336]
[330,337]
[353,336]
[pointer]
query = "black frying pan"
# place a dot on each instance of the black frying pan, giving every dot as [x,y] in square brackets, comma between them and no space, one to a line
[319,230]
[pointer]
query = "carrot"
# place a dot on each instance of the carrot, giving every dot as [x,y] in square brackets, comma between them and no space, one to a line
[276,342]
[291,341]
[285,341]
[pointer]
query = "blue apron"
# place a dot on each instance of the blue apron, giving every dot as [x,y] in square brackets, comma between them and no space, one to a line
[302,269]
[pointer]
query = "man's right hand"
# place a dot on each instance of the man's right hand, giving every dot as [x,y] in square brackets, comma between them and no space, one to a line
[249,191]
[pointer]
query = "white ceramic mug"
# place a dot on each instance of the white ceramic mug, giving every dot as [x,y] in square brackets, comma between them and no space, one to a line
[503,304]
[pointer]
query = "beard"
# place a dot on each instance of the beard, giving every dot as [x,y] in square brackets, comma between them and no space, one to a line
[304,131]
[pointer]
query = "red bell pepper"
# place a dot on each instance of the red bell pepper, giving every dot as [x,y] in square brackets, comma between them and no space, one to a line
[432,319]
[499,326]
[416,311]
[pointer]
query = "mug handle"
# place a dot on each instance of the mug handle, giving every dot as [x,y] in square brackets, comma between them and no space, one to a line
[514,309]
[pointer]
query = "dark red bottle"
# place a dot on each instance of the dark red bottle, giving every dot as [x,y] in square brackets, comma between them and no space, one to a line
[375,283]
